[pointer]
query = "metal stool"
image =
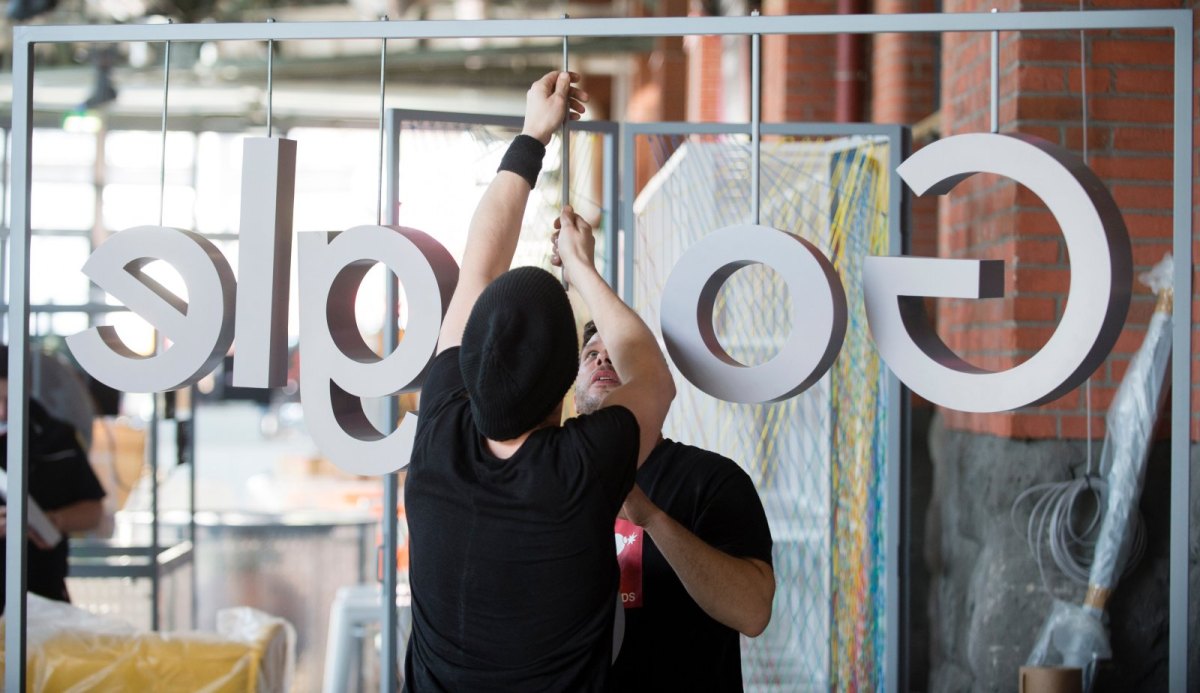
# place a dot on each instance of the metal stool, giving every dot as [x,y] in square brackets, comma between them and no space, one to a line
[354,607]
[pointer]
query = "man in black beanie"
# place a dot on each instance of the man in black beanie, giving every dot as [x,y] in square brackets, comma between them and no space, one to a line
[513,577]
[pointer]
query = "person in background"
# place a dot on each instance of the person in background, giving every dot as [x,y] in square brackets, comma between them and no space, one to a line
[695,554]
[61,482]
[511,567]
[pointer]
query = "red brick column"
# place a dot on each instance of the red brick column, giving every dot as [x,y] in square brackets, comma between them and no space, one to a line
[1129,110]
[798,71]
[705,89]
[658,89]
[903,90]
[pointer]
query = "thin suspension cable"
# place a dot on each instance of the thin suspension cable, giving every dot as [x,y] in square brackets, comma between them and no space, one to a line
[270,74]
[382,100]
[162,158]
[755,125]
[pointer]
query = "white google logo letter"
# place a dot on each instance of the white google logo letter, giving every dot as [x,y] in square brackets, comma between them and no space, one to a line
[1097,301]
[337,368]
[818,314]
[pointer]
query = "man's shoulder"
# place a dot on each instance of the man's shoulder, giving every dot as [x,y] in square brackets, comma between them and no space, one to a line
[682,453]
[618,412]
[707,472]
[604,423]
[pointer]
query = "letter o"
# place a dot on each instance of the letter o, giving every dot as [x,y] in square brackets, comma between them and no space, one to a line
[818,314]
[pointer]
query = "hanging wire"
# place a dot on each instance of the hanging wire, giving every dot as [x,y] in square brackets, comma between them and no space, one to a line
[1057,523]
[1055,527]
[270,74]
[382,101]
[162,159]
[755,125]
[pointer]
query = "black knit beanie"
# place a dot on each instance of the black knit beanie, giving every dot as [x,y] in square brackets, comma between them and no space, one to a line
[519,352]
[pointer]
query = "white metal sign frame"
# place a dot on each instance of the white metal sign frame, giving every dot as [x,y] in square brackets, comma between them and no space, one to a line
[1179,22]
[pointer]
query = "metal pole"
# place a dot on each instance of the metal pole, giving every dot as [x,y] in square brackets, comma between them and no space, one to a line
[270,75]
[194,601]
[566,149]
[18,358]
[612,210]
[755,126]
[152,453]
[1181,367]
[152,438]
[799,25]
[898,614]
[566,141]
[162,156]
[382,106]
[391,486]
[629,224]
[5,182]
[1087,384]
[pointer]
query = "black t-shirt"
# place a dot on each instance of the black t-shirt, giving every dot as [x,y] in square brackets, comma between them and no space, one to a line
[59,475]
[513,577]
[670,643]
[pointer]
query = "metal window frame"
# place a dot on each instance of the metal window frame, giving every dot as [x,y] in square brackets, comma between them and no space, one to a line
[897,524]
[1179,22]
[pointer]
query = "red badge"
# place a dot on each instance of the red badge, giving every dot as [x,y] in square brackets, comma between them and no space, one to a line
[629,556]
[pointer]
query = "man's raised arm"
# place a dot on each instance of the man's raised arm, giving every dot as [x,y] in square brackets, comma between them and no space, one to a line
[492,237]
[646,385]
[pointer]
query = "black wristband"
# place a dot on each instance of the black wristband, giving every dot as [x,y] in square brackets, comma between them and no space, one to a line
[524,158]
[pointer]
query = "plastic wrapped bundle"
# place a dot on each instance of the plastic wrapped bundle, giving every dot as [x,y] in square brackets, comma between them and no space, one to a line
[1074,634]
[1131,419]
[71,650]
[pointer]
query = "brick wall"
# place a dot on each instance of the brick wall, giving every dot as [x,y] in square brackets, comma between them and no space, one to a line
[1129,110]
[903,84]
[798,71]
[705,89]
[658,87]
[1129,85]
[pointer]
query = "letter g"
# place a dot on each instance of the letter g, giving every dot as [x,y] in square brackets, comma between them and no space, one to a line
[1097,300]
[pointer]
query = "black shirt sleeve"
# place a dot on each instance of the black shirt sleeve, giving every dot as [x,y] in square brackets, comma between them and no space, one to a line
[60,472]
[607,442]
[443,384]
[733,519]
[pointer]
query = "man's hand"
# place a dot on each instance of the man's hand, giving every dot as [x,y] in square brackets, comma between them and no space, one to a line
[737,592]
[638,508]
[546,104]
[574,244]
